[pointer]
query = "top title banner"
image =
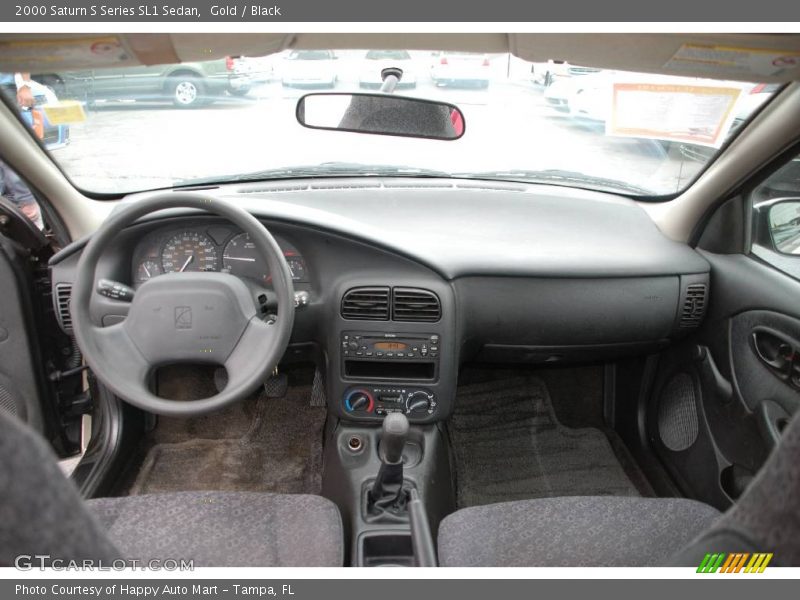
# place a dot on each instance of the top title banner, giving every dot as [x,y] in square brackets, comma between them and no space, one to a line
[51,11]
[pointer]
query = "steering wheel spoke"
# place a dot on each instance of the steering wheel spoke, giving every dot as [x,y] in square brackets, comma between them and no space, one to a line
[251,349]
[128,366]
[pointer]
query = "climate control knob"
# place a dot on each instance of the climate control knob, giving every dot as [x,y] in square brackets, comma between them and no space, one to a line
[359,400]
[420,402]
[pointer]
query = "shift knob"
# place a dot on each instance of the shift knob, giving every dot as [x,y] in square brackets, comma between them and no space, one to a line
[393,439]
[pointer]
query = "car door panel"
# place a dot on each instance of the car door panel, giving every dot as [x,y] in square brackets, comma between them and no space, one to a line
[715,389]
[767,344]
[20,378]
[698,426]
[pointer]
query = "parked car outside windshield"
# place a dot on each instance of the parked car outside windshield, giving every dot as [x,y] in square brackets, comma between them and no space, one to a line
[511,132]
[186,85]
[309,68]
[461,69]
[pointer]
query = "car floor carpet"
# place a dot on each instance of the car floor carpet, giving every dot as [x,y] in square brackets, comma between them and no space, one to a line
[508,445]
[261,444]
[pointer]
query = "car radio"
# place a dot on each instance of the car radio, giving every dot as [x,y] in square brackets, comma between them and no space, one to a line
[390,346]
[390,356]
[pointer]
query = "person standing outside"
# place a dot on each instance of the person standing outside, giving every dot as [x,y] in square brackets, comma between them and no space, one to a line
[18,84]
[11,186]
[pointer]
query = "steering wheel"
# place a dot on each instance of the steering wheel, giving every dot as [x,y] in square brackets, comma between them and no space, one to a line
[200,317]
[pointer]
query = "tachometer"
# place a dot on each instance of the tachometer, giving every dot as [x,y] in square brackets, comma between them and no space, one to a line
[189,251]
[242,259]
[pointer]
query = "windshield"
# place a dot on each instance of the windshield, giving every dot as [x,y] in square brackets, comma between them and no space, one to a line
[137,128]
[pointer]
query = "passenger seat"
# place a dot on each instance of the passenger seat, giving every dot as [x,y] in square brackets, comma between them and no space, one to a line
[633,532]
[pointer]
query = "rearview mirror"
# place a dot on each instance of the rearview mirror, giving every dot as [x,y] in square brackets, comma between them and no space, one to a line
[381,114]
[784,226]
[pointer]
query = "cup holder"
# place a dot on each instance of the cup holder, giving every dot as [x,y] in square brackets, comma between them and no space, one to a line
[385,549]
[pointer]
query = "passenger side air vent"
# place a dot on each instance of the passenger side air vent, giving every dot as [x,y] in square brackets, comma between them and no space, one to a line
[411,304]
[63,295]
[694,305]
[366,304]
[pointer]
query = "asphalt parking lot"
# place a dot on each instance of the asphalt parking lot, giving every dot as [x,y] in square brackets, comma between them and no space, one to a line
[126,146]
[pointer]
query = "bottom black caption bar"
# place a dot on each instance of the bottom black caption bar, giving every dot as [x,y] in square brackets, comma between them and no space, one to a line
[385,589]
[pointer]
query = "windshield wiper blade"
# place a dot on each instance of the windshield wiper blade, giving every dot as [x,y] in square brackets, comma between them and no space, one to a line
[332,169]
[563,177]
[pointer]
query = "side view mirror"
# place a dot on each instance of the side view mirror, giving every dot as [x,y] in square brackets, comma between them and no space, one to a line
[381,114]
[783,220]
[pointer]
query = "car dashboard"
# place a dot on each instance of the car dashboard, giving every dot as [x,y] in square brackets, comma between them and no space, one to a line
[406,279]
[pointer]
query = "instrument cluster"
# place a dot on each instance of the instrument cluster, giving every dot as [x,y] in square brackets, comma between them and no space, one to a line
[209,248]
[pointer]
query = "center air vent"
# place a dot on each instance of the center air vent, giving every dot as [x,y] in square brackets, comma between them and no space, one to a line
[366,304]
[694,305]
[63,295]
[411,304]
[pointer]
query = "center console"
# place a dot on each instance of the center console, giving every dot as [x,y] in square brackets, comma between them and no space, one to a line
[395,367]
[393,350]
[376,503]
[390,367]
[391,358]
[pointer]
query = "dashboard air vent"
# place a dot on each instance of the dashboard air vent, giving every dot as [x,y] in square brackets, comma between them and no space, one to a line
[411,304]
[366,304]
[694,305]
[63,295]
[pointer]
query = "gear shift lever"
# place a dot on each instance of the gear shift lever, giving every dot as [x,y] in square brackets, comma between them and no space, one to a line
[393,438]
[387,491]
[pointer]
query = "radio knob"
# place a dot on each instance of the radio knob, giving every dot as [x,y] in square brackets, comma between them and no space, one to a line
[418,402]
[359,401]
[353,345]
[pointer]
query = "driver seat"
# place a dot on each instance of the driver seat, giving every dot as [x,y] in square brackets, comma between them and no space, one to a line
[41,513]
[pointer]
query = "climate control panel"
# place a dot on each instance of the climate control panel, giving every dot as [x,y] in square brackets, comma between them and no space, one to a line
[381,400]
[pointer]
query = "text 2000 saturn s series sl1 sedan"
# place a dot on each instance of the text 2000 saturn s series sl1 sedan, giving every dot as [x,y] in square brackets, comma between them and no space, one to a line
[443,327]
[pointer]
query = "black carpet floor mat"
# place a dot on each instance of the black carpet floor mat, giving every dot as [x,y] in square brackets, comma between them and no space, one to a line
[261,444]
[508,445]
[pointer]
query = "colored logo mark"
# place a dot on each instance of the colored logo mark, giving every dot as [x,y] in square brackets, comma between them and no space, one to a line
[737,562]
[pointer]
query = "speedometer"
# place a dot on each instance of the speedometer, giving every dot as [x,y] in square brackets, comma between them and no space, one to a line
[189,251]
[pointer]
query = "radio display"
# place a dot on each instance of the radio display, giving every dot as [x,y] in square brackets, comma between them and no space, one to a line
[390,346]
